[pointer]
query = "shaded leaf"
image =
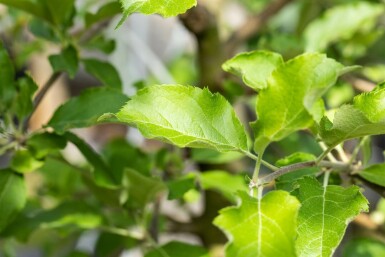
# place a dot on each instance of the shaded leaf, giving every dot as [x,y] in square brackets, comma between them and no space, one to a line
[84,110]
[331,28]
[365,117]
[163,7]
[104,72]
[291,100]
[109,244]
[185,116]
[66,61]
[22,104]
[178,187]
[374,174]
[43,144]
[60,10]
[37,8]
[324,215]
[177,249]
[42,29]
[7,76]
[12,196]
[265,227]
[254,67]
[106,11]
[23,161]
[364,247]
[210,156]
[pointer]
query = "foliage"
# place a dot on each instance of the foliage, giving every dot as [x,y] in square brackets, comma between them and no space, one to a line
[279,107]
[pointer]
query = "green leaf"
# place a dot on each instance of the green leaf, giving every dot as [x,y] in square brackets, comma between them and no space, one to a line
[102,172]
[66,61]
[42,29]
[141,189]
[265,227]
[109,244]
[254,67]
[7,76]
[185,116]
[37,8]
[331,28]
[12,196]
[365,117]
[324,215]
[22,104]
[61,10]
[104,72]
[210,156]
[178,187]
[84,110]
[43,144]
[163,7]
[374,174]
[291,100]
[23,161]
[106,11]
[364,247]
[177,249]
[223,182]
[288,181]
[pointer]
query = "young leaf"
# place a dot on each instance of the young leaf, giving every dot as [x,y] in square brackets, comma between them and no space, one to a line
[165,8]
[84,110]
[324,215]
[23,161]
[185,116]
[36,8]
[66,61]
[177,249]
[7,76]
[12,196]
[374,174]
[22,104]
[292,95]
[265,227]
[365,117]
[356,17]
[254,67]
[104,72]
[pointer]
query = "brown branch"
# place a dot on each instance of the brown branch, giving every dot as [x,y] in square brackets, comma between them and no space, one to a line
[360,84]
[40,95]
[253,25]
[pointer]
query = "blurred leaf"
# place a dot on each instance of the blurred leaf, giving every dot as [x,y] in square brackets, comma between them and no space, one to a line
[296,96]
[375,73]
[66,218]
[67,61]
[341,93]
[374,174]
[12,196]
[324,215]
[178,187]
[225,183]
[365,117]
[45,143]
[287,181]
[264,227]
[41,29]
[330,28]
[84,110]
[23,161]
[104,72]
[7,76]
[107,11]
[185,116]
[254,67]
[178,249]
[101,43]
[60,10]
[163,7]
[210,156]
[119,154]
[103,174]
[110,244]
[22,104]
[141,189]
[37,8]
[364,247]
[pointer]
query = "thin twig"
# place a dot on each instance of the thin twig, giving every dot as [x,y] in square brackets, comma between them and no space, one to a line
[253,25]
[40,95]
[264,163]
[297,166]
